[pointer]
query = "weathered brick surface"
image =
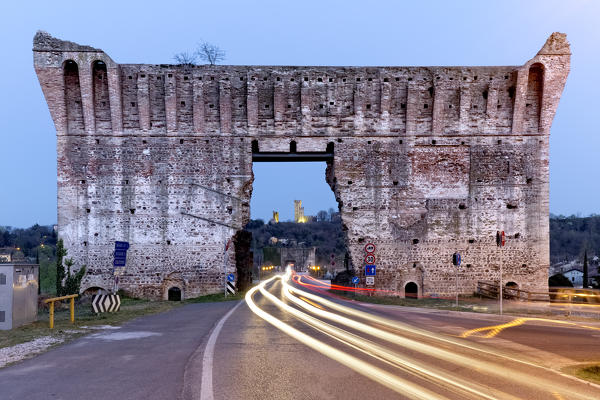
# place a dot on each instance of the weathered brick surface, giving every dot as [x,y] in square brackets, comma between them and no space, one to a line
[428,161]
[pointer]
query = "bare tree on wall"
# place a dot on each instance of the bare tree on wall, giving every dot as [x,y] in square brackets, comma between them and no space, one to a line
[207,52]
[210,53]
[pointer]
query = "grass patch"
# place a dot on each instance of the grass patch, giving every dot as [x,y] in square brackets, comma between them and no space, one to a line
[211,298]
[84,316]
[588,372]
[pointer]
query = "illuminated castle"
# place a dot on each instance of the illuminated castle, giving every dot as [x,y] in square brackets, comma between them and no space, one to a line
[299,212]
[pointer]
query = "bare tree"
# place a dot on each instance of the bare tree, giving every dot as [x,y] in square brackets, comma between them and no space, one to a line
[185,58]
[210,53]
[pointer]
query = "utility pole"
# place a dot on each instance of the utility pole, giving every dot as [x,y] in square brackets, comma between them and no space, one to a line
[500,242]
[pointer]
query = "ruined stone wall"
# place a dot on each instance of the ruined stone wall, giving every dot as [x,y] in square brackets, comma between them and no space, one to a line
[427,161]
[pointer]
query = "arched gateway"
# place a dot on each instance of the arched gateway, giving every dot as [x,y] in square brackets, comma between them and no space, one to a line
[423,161]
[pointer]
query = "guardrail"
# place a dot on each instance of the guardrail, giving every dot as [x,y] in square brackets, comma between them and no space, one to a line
[71,306]
[555,295]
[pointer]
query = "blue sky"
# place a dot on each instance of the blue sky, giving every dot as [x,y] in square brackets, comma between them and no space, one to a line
[297,33]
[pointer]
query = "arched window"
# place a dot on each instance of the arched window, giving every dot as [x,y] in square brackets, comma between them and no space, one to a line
[533,98]
[101,96]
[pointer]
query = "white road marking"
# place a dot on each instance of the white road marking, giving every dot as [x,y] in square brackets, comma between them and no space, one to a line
[206,386]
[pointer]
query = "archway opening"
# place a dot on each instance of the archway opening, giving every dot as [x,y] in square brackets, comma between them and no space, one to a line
[411,290]
[174,294]
[295,220]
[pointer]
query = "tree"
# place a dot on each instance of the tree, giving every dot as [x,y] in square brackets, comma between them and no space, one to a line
[585,270]
[559,280]
[185,58]
[322,216]
[72,282]
[210,53]
[60,269]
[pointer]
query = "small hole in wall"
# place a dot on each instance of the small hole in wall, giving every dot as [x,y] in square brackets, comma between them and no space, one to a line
[517,235]
[349,182]
[343,79]
[529,181]
[475,106]
[528,105]
[87,210]
[228,180]
[103,104]
[170,75]
[462,143]
[132,210]
[386,80]
[241,78]
[433,141]
[319,79]
[321,106]
[130,77]
[292,79]
[240,105]
[475,78]
[357,79]
[430,90]
[82,181]
[306,79]
[142,76]
[97,141]
[360,240]
[289,106]
[278,79]
[211,106]
[354,208]
[425,105]
[403,106]
[368,142]
[185,78]
[485,94]
[96,234]
[266,106]
[158,78]
[212,78]
[523,265]
[471,241]
[395,183]
[85,244]
[415,241]
[133,104]
[499,141]
[462,206]
[127,181]
[511,206]
[265,78]
[397,79]
[464,78]
[400,141]
[410,79]
[180,141]
[498,106]
[168,242]
[339,140]
[331,103]
[183,104]
[144,142]
[505,76]
[449,105]
[469,265]
[370,79]
[368,106]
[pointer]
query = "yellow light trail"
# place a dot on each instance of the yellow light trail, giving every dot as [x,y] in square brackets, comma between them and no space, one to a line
[433,375]
[496,329]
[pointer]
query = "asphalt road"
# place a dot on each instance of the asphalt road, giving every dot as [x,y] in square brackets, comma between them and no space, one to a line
[291,341]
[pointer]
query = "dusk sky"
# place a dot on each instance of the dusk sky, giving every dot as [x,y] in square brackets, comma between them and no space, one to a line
[380,33]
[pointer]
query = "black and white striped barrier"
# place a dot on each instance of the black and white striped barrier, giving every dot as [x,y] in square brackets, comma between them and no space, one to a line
[230,288]
[106,303]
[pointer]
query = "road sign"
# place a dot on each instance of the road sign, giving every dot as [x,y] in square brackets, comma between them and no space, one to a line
[230,287]
[230,278]
[121,245]
[120,254]
[500,238]
[355,280]
[370,270]
[456,259]
[370,280]
[332,256]
[370,259]
[105,303]
[370,248]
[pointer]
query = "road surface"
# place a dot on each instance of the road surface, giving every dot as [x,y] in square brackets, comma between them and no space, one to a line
[290,340]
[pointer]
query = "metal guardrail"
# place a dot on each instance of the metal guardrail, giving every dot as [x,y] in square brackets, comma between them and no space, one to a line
[71,306]
[556,295]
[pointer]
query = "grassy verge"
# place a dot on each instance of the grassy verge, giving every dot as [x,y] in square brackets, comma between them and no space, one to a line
[588,372]
[86,318]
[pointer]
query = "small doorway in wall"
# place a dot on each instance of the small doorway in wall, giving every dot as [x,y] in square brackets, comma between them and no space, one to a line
[174,294]
[411,290]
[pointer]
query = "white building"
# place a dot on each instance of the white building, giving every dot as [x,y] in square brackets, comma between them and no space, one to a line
[575,276]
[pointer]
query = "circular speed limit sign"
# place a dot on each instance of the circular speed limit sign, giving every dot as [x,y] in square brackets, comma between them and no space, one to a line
[370,259]
[370,248]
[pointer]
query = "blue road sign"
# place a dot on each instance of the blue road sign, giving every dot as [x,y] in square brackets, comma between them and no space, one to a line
[355,280]
[230,278]
[119,262]
[370,270]
[121,245]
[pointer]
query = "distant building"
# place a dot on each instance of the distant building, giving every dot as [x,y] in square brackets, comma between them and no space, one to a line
[299,212]
[575,276]
[5,255]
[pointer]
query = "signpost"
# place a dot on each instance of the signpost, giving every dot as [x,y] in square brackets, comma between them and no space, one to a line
[500,242]
[370,280]
[119,261]
[370,259]
[230,278]
[370,248]
[355,280]
[456,262]
[370,270]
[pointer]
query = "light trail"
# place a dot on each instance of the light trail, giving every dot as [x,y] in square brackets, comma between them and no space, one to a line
[438,347]
[496,329]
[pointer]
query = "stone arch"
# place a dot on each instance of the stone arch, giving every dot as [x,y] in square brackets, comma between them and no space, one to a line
[73,102]
[173,280]
[101,96]
[511,290]
[411,290]
[91,290]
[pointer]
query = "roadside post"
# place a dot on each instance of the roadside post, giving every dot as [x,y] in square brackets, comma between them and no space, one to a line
[370,268]
[355,281]
[500,242]
[225,265]
[456,262]
[230,286]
